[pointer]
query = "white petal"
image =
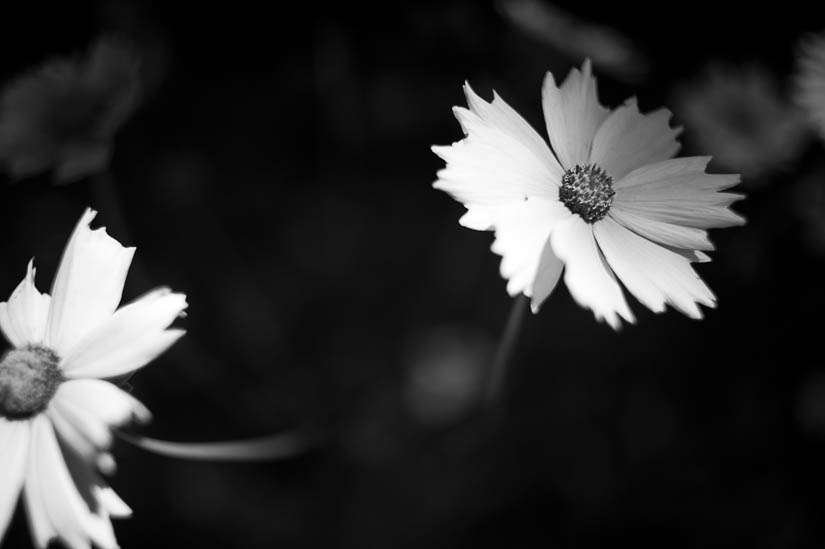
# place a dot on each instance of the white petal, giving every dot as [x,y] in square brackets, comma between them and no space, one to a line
[522,230]
[679,192]
[501,159]
[573,114]
[589,279]
[547,276]
[112,503]
[23,317]
[14,446]
[129,339]
[94,405]
[73,436]
[499,114]
[69,515]
[88,285]
[663,233]
[478,218]
[628,139]
[655,275]
[40,525]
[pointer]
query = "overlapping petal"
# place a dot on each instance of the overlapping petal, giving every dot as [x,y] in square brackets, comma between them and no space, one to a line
[628,139]
[588,277]
[679,192]
[88,285]
[55,505]
[129,339]
[501,159]
[14,452]
[523,229]
[573,114]
[101,400]
[23,317]
[652,273]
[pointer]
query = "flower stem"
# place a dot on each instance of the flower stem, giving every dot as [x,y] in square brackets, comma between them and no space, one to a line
[498,369]
[266,448]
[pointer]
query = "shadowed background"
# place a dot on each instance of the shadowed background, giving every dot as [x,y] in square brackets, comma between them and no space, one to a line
[278,172]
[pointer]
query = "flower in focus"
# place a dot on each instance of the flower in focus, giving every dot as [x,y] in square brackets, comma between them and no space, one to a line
[738,116]
[608,201]
[64,114]
[810,81]
[56,409]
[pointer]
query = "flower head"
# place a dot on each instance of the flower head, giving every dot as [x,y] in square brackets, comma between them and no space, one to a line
[810,81]
[738,115]
[64,114]
[56,407]
[608,202]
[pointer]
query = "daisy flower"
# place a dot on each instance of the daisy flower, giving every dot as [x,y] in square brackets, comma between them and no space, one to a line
[810,80]
[64,114]
[608,202]
[738,115]
[56,407]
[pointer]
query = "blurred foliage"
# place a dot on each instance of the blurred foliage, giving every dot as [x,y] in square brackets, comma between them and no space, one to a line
[278,172]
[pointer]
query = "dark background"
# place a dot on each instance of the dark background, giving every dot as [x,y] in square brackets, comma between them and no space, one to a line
[278,172]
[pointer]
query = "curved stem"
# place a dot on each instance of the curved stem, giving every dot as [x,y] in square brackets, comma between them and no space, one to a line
[266,448]
[498,369]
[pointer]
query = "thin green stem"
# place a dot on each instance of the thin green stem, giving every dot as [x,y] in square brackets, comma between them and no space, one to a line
[498,369]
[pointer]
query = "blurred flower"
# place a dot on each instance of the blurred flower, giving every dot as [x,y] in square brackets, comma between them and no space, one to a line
[609,202]
[56,410]
[445,375]
[609,49]
[810,80]
[64,114]
[738,116]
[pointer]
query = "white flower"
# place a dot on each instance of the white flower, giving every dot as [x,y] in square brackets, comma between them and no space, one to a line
[810,80]
[610,201]
[56,409]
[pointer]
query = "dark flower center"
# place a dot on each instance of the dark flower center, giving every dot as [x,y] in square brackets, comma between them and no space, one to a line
[29,378]
[588,191]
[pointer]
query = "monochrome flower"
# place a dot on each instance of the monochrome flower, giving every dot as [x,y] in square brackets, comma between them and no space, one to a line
[63,114]
[56,407]
[738,115]
[607,203]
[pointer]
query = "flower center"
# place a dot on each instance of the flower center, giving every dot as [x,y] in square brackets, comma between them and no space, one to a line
[29,377]
[588,191]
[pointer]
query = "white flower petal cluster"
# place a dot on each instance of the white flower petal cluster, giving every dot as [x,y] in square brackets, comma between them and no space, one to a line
[608,203]
[55,456]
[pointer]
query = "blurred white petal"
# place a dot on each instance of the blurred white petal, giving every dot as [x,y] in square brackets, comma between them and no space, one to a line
[610,51]
[739,115]
[14,448]
[101,400]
